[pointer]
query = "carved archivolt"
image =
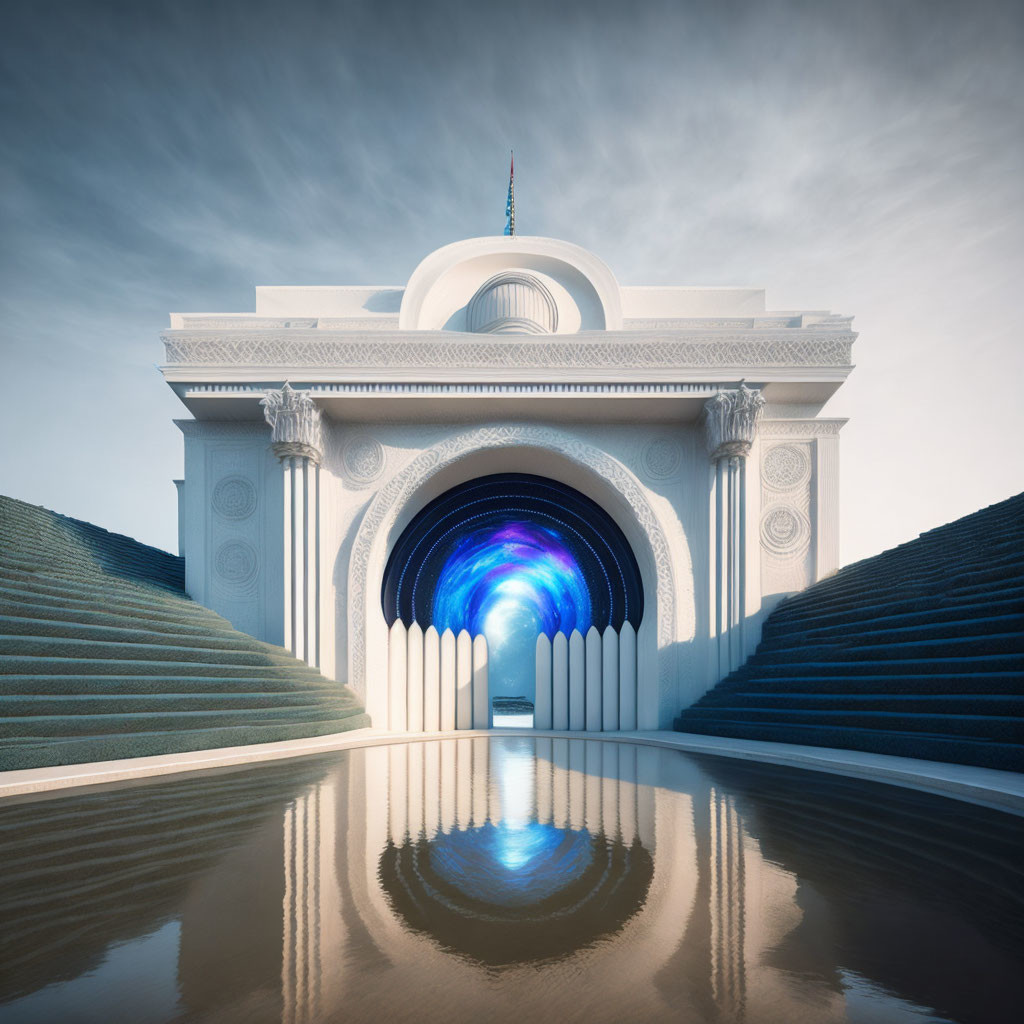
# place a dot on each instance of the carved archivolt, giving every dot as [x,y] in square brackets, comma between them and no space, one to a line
[393,497]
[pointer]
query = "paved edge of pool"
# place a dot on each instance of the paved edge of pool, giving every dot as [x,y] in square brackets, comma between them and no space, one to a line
[988,787]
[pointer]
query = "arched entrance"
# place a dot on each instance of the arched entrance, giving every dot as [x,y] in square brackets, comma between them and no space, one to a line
[512,556]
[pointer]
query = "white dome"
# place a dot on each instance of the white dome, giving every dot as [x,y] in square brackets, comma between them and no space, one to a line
[512,302]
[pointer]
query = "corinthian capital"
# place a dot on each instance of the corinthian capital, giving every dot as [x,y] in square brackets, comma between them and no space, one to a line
[295,422]
[730,419]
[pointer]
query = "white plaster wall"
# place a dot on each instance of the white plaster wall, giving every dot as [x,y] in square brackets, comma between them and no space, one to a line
[233,526]
[234,554]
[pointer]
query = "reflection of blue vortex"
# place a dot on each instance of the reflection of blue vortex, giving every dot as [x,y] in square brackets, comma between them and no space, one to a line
[509,577]
[511,865]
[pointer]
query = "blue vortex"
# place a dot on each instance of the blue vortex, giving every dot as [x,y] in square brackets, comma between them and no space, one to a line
[513,576]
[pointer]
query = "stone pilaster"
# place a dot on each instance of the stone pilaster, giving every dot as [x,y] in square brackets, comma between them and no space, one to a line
[730,420]
[297,441]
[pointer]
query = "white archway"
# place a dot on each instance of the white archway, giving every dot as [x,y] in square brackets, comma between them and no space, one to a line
[492,448]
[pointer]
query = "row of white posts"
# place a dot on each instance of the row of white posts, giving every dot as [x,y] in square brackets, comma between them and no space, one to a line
[436,682]
[587,683]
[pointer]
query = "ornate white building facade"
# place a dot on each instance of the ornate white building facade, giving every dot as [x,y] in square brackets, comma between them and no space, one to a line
[328,420]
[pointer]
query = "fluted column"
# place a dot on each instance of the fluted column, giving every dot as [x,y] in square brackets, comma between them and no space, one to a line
[731,420]
[297,442]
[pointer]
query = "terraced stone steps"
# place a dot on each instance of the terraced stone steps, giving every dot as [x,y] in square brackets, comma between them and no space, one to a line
[103,656]
[917,652]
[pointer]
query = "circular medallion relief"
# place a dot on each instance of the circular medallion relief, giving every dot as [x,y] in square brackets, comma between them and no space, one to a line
[661,458]
[234,497]
[363,457]
[236,562]
[784,530]
[785,466]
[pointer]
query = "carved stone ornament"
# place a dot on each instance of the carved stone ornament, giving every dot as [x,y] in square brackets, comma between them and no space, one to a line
[785,467]
[730,419]
[234,497]
[363,459]
[785,531]
[236,562]
[295,421]
[661,458]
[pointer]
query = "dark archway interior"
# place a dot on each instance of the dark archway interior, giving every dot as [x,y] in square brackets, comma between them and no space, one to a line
[513,537]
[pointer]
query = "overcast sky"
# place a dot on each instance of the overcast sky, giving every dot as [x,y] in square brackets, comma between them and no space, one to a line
[863,157]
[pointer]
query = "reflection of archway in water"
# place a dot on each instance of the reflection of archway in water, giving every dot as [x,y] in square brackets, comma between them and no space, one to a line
[499,895]
[511,556]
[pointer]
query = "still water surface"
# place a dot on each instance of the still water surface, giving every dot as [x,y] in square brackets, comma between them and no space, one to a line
[510,879]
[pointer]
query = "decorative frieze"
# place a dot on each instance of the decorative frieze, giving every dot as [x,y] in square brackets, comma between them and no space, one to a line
[295,422]
[367,351]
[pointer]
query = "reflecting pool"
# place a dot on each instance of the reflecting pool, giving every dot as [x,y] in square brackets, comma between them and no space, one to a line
[509,879]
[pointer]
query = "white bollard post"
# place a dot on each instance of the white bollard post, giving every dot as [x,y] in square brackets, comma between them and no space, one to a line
[397,666]
[560,681]
[481,696]
[447,681]
[464,681]
[610,680]
[414,678]
[627,677]
[542,694]
[593,676]
[431,680]
[577,682]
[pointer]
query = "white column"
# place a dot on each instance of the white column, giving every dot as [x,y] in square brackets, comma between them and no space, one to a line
[481,696]
[398,654]
[731,420]
[610,680]
[431,680]
[542,693]
[627,677]
[464,681]
[577,682]
[560,681]
[297,441]
[447,681]
[594,716]
[289,544]
[414,677]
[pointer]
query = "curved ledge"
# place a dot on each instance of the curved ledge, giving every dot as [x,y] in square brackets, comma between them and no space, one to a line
[987,787]
[520,251]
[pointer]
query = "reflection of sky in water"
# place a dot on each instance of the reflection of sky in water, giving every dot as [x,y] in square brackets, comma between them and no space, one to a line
[510,581]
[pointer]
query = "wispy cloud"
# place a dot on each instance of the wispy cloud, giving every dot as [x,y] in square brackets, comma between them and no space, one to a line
[865,157]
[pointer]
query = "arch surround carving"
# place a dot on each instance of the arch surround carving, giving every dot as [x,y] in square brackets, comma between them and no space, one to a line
[520,447]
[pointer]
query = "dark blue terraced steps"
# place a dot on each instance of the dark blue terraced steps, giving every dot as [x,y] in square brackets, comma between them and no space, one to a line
[918,652]
[103,656]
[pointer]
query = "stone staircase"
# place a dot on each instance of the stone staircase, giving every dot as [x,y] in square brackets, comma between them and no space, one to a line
[103,656]
[918,652]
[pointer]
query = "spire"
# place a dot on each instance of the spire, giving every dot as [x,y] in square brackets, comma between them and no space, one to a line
[510,203]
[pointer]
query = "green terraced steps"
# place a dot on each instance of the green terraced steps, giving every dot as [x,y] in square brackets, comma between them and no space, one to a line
[918,652]
[103,656]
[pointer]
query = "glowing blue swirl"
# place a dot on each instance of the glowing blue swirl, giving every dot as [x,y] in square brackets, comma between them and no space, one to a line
[512,578]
